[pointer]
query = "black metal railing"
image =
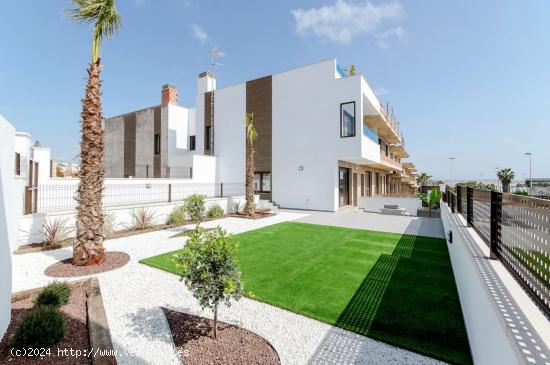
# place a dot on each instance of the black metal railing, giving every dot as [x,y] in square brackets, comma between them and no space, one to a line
[61,198]
[517,231]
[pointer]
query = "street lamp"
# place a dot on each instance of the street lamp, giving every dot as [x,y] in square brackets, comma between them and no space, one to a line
[530,174]
[451,163]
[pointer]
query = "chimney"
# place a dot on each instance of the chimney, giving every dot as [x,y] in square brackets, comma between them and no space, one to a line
[169,94]
[206,82]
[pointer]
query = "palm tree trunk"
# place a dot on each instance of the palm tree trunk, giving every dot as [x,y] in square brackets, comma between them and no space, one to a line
[250,207]
[506,186]
[88,246]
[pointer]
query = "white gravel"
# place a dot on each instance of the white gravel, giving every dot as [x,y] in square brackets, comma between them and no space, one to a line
[134,294]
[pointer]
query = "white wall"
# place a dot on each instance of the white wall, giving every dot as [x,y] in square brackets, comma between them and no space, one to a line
[8,220]
[42,156]
[306,132]
[230,143]
[31,225]
[23,147]
[486,332]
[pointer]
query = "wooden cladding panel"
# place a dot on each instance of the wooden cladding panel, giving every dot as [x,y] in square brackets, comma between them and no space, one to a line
[130,145]
[207,119]
[156,130]
[259,102]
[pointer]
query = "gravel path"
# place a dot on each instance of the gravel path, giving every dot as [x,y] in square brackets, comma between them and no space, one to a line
[133,296]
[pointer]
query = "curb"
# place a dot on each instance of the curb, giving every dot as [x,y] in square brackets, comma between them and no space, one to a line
[98,327]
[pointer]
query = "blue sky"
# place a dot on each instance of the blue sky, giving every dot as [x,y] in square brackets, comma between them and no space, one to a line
[469,79]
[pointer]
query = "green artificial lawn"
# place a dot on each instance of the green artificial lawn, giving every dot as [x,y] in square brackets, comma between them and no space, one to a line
[394,288]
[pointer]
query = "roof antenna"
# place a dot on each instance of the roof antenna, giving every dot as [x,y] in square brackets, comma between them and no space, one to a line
[215,52]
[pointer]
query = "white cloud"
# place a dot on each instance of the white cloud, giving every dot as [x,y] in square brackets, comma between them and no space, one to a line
[341,21]
[381,91]
[199,33]
[398,33]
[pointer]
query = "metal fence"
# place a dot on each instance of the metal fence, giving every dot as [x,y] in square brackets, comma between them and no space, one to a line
[60,198]
[517,231]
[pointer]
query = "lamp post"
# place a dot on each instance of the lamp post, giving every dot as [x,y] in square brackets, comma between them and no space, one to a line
[451,164]
[530,174]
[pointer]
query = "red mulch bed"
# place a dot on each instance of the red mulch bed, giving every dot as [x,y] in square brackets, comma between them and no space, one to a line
[193,337]
[113,260]
[76,336]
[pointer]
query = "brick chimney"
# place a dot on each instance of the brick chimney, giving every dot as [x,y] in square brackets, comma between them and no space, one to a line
[169,94]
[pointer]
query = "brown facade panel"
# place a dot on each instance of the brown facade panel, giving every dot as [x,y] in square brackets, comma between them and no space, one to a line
[207,120]
[130,145]
[156,130]
[259,102]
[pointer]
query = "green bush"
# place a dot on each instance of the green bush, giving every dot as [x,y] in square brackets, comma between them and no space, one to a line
[42,327]
[177,216]
[194,207]
[55,295]
[215,211]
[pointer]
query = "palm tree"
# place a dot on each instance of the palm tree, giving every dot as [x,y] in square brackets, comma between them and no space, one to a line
[88,246]
[506,176]
[251,136]
[423,178]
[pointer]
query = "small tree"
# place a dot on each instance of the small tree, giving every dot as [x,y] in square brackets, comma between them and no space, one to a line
[506,176]
[431,200]
[194,208]
[209,269]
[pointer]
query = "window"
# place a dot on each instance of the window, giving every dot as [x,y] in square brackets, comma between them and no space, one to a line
[157,144]
[262,182]
[192,141]
[17,164]
[347,119]
[207,138]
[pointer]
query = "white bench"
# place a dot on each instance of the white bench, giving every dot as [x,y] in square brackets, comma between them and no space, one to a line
[392,209]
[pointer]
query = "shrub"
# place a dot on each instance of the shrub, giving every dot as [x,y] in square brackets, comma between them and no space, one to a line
[215,211]
[142,219]
[177,216]
[42,327]
[55,294]
[194,208]
[209,268]
[236,206]
[55,231]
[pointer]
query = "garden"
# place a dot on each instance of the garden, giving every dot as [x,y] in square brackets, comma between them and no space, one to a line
[395,288]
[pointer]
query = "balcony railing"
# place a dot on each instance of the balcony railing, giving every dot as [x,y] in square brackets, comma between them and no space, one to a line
[369,133]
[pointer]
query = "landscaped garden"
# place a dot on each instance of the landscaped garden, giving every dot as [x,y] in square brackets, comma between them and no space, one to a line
[394,288]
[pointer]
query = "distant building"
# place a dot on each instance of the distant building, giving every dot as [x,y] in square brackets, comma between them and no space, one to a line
[151,142]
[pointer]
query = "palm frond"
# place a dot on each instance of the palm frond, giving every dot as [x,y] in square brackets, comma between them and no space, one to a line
[251,132]
[102,14]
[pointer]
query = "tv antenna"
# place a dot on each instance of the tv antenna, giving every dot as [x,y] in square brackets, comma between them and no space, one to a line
[215,52]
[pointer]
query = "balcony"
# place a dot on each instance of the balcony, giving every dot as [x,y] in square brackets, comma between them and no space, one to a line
[385,126]
[399,150]
[388,163]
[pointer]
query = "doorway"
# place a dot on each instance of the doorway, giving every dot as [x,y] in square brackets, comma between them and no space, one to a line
[343,186]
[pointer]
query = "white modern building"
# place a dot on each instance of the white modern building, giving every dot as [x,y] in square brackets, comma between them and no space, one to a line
[324,139]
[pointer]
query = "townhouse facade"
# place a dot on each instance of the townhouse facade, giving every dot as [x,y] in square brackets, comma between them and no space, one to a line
[324,140]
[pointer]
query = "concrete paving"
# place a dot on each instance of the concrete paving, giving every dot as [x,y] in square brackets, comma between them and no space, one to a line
[351,218]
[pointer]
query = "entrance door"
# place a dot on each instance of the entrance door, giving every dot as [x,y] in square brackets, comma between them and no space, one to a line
[343,186]
[354,186]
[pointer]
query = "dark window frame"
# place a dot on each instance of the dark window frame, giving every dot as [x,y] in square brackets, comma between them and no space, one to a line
[156,147]
[342,120]
[261,181]
[192,143]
